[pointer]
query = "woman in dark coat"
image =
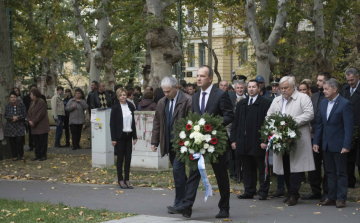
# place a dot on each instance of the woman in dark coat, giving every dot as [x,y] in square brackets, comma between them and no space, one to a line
[147,103]
[123,135]
[39,123]
[15,114]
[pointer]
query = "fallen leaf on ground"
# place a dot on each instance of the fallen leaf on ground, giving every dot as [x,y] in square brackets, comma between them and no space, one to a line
[317,213]
[95,188]
[164,194]
[143,185]
[119,192]
[83,207]
[280,208]
[66,209]
[26,209]
[252,206]
[42,208]
[24,188]
[54,167]
[39,167]
[227,219]
[340,210]
[89,218]
[52,188]
[39,219]
[81,213]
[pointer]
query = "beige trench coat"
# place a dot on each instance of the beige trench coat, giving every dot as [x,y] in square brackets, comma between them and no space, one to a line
[300,107]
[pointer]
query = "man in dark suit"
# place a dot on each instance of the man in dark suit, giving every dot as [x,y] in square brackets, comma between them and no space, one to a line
[175,105]
[334,127]
[351,91]
[216,102]
[240,87]
[100,98]
[245,137]
[315,178]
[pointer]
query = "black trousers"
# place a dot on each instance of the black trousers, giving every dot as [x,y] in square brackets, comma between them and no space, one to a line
[31,139]
[292,180]
[222,179]
[41,144]
[76,135]
[315,177]
[351,174]
[17,146]
[67,130]
[180,178]
[250,165]
[124,149]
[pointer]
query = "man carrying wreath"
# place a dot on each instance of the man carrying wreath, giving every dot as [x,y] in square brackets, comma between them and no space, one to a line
[215,102]
[300,159]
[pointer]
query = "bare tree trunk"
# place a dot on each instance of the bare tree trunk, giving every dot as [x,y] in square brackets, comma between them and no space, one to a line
[163,42]
[51,77]
[264,50]
[210,29]
[110,79]
[146,69]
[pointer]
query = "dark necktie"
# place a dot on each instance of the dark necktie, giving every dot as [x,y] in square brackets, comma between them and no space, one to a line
[171,111]
[203,103]
[251,101]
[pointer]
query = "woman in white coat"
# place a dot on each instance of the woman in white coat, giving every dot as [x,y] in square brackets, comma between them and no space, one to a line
[301,159]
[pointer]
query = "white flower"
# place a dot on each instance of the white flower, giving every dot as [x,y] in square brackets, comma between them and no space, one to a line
[266,126]
[207,138]
[202,151]
[202,121]
[211,149]
[291,133]
[191,151]
[282,123]
[197,128]
[213,132]
[191,136]
[182,135]
[199,138]
[183,149]
[265,132]
[186,143]
[206,146]
[190,122]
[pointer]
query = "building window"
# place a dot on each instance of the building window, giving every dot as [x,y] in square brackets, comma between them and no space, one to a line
[201,54]
[191,55]
[243,54]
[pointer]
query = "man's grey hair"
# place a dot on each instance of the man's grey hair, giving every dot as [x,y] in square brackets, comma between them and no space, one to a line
[332,82]
[353,71]
[239,82]
[225,82]
[287,78]
[169,82]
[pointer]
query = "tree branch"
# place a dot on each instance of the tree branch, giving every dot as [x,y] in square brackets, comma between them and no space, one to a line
[279,24]
[168,3]
[81,28]
[252,28]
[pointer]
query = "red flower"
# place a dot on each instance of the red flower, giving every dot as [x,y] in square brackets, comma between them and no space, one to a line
[181,142]
[214,141]
[188,127]
[191,157]
[207,128]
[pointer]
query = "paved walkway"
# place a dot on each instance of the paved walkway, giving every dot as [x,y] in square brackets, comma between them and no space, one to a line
[153,202]
[152,219]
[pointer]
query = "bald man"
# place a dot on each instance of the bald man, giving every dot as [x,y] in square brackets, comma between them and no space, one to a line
[224,85]
[100,98]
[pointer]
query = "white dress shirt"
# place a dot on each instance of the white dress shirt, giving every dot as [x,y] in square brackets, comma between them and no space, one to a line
[284,106]
[238,96]
[330,106]
[254,99]
[174,101]
[208,90]
[127,117]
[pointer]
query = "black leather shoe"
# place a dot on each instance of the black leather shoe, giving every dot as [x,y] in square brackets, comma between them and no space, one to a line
[35,158]
[312,196]
[43,159]
[223,214]
[263,197]
[245,196]
[324,197]
[286,200]
[278,193]
[170,212]
[186,212]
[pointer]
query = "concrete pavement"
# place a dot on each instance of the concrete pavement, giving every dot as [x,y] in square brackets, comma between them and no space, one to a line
[153,202]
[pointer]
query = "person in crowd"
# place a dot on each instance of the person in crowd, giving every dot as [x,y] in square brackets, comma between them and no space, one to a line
[301,159]
[156,91]
[159,95]
[58,113]
[191,89]
[304,88]
[351,91]
[182,86]
[149,89]
[94,89]
[315,177]
[175,105]
[137,95]
[224,85]
[111,93]
[76,108]
[334,127]
[123,135]
[274,88]
[263,92]
[245,137]
[230,89]
[100,98]
[147,104]
[240,86]
[294,78]
[215,102]
[68,96]
[15,114]
[39,122]
[130,97]
[18,94]
[27,102]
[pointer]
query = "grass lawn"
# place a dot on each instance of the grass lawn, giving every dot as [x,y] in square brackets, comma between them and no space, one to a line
[23,211]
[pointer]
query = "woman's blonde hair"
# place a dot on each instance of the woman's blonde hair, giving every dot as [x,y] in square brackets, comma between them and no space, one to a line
[119,91]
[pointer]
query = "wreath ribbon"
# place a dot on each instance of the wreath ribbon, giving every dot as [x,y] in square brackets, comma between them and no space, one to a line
[204,177]
[270,139]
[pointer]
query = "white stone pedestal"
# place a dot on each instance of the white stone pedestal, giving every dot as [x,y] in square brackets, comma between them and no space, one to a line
[102,150]
[142,155]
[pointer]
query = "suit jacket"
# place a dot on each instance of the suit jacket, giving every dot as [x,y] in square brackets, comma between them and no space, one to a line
[354,154]
[336,132]
[233,98]
[39,116]
[316,98]
[116,121]
[249,144]
[95,100]
[219,103]
[27,101]
[181,110]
